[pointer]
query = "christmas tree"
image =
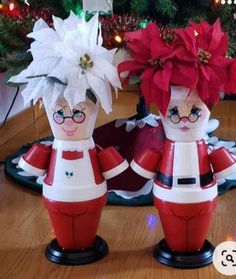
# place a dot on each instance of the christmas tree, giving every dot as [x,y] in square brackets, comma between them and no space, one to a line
[18,17]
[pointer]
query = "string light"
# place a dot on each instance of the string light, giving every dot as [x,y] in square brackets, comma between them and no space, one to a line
[118,39]
[1,6]
[223,2]
[11,6]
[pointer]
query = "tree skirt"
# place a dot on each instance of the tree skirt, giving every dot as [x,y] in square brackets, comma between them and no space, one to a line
[129,137]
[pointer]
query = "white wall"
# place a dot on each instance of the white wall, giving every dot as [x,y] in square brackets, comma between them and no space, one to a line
[7,94]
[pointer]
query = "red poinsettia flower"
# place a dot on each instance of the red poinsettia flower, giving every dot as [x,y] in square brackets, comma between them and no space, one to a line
[162,60]
[208,46]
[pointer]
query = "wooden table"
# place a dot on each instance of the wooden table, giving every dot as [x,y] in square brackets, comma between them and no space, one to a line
[131,232]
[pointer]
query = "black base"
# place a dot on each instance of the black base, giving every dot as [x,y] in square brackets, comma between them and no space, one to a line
[201,258]
[96,252]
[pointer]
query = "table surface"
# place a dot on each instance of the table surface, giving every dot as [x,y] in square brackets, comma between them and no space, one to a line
[131,232]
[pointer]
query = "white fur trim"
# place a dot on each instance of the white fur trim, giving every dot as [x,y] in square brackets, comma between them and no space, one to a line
[225,173]
[77,145]
[141,171]
[30,169]
[72,194]
[185,194]
[116,171]
[128,195]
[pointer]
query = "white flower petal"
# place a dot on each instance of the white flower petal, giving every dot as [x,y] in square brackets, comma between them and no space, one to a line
[58,26]
[21,77]
[102,90]
[72,22]
[40,50]
[56,54]
[80,94]
[92,26]
[57,92]
[44,35]
[100,39]
[33,88]
[109,71]
[40,24]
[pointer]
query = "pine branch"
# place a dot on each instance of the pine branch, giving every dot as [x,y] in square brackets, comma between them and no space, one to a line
[165,7]
[139,7]
[15,62]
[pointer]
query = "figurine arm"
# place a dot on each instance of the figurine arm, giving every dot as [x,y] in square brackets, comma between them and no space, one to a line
[222,162]
[111,162]
[146,163]
[36,160]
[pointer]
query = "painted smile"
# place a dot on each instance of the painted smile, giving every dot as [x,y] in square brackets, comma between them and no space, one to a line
[184,129]
[71,132]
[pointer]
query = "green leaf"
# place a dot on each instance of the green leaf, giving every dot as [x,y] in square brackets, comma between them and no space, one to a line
[134,80]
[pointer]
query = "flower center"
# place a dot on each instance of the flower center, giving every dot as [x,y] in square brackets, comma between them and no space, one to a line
[85,62]
[204,56]
[168,35]
[155,63]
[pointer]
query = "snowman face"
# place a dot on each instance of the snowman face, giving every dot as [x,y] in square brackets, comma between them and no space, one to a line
[186,117]
[75,123]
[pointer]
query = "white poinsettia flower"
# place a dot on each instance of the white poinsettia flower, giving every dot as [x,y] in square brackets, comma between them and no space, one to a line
[71,53]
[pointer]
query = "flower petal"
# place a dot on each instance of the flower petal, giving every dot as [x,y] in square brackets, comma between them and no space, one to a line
[102,90]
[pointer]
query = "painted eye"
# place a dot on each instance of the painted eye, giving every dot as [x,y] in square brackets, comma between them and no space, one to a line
[196,110]
[174,111]
[174,115]
[58,116]
[78,116]
[195,114]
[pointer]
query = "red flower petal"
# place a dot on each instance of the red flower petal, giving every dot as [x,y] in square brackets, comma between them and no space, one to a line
[162,77]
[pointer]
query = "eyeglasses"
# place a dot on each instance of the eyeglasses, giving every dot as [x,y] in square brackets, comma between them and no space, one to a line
[192,117]
[77,116]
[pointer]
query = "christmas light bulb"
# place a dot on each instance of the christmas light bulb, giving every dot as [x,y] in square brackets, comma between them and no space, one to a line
[222,2]
[229,2]
[1,6]
[118,39]
[11,6]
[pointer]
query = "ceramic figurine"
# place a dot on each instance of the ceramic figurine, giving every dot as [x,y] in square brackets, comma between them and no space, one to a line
[185,188]
[68,73]
[183,72]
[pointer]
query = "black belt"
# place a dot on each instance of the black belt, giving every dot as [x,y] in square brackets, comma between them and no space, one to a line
[167,180]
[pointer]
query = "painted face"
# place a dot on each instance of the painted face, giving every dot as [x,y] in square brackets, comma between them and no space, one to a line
[186,117]
[75,123]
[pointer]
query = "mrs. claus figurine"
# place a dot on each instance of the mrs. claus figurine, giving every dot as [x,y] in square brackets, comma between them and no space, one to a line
[72,73]
[183,72]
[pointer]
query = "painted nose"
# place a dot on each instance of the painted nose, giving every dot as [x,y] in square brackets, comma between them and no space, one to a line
[69,122]
[184,119]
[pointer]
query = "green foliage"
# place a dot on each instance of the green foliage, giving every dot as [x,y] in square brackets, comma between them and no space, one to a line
[13,63]
[174,13]
[72,5]
[54,5]
[165,7]
[139,7]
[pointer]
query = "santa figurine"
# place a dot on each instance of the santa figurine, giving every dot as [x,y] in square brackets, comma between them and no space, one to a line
[72,73]
[181,75]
